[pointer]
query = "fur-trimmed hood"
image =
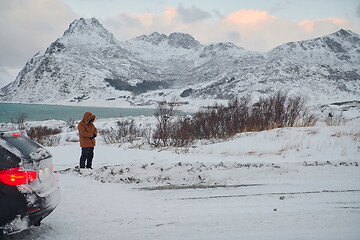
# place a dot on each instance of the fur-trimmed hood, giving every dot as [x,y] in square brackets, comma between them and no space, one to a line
[88,117]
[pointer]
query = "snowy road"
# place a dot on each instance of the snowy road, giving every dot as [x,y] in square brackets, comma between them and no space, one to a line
[93,210]
[294,183]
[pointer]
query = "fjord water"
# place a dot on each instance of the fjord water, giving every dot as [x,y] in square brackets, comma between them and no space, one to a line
[39,112]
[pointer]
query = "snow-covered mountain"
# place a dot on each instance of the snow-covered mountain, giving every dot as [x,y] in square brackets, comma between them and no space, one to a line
[87,64]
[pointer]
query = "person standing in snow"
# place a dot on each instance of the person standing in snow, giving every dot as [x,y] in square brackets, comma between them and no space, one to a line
[87,134]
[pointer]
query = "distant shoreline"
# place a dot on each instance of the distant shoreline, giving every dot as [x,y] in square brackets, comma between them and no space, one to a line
[42,112]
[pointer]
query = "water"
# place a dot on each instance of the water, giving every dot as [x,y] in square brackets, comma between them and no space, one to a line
[35,112]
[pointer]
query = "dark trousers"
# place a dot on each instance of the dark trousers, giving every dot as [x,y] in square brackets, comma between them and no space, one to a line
[87,155]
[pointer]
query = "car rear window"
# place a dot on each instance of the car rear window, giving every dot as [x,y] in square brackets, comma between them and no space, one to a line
[25,147]
[8,159]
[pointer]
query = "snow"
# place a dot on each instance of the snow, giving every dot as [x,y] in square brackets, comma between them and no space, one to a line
[39,154]
[291,183]
[18,224]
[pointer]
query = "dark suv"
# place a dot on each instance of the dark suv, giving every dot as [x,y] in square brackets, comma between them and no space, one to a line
[28,186]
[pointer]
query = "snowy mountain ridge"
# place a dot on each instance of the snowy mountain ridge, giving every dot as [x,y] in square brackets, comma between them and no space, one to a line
[177,40]
[87,65]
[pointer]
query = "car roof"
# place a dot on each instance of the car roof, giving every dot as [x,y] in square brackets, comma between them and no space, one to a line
[3,130]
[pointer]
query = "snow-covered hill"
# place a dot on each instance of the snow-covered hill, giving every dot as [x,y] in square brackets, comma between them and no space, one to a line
[88,65]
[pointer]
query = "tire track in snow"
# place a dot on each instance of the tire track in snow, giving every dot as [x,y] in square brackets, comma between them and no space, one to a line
[270,194]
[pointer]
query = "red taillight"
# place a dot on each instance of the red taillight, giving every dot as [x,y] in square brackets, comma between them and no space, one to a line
[33,210]
[16,134]
[17,176]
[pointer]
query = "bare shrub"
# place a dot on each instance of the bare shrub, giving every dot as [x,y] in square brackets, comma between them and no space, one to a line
[239,112]
[279,111]
[307,119]
[108,135]
[71,124]
[44,135]
[216,122]
[19,121]
[51,140]
[334,119]
[161,135]
[126,131]
[275,111]
[181,134]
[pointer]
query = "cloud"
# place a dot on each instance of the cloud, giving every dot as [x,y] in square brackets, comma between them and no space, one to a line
[233,36]
[30,26]
[280,6]
[248,28]
[323,26]
[129,25]
[249,17]
[218,14]
[192,14]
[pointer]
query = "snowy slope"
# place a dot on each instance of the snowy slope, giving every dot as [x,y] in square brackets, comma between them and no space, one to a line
[291,183]
[88,66]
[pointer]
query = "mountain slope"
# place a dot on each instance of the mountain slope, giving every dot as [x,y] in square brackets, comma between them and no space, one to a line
[75,67]
[87,64]
[320,68]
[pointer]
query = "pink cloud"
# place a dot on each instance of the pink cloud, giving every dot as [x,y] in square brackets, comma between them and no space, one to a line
[146,19]
[249,28]
[249,16]
[170,12]
[311,26]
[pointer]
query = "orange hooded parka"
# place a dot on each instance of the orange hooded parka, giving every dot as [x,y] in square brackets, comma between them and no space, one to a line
[87,130]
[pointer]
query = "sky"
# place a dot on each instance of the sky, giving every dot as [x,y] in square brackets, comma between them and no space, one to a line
[29,26]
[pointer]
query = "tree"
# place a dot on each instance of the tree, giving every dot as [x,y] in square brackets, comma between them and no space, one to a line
[164,114]
[19,121]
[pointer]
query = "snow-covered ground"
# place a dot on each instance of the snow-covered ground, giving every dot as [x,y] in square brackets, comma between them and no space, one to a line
[291,183]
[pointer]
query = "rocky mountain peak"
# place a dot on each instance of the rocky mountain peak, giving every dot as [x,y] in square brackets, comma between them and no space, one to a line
[341,43]
[343,33]
[183,40]
[82,26]
[154,38]
[177,40]
[347,37]
[90,29]
[223,46]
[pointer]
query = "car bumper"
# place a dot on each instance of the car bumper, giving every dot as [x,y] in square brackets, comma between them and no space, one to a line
[26,217]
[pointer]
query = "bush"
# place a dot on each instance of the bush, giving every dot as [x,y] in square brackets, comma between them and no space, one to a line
[126,131]
[19,121]
[181,132]
[44,135]
[217,122]
[275,111]
[163,132]
[334,119]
